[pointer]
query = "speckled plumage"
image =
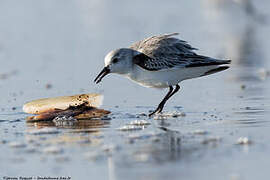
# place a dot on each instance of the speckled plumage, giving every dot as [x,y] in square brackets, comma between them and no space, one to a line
[165,51]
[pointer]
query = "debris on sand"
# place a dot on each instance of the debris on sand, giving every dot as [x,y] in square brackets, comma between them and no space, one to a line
[79,107]
[243,141]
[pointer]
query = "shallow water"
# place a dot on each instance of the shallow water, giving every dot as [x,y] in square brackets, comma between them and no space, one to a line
[52,48]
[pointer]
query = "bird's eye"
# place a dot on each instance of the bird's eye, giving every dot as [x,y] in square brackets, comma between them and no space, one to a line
[115,60]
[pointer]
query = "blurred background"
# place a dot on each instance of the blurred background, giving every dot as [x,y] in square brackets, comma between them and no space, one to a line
[54,48]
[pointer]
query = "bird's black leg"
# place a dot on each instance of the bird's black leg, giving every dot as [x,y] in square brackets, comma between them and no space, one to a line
[162,102]
[176,89]
[161,105]
[168,95]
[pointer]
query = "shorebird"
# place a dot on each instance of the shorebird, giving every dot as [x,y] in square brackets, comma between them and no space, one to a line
[160,62]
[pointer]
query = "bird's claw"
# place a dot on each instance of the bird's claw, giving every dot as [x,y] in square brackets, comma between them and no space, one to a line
[158,110]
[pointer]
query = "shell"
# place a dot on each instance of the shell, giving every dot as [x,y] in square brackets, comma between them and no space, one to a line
[92,113]
[80,113]
[48,105]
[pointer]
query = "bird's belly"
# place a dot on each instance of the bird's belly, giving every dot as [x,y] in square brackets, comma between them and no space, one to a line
[151,82]
[156,79]
[165,78]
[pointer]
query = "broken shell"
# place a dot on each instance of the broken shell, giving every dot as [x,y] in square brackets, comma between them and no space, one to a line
[51,114]
[81,106]
[80,112]
[62,103]
[92,113]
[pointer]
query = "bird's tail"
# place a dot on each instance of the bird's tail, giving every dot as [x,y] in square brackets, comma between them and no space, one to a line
[215,70]
[220,62]
[212,61]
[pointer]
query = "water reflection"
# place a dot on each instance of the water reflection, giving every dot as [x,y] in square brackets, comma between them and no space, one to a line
[84,132]
[80,124]
[159,148]
[173,151]
[249,116]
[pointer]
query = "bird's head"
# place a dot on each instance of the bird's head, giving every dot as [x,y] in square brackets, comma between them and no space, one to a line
[117,61]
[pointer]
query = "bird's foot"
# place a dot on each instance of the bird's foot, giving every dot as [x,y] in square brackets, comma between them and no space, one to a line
[152,113]
[158,110]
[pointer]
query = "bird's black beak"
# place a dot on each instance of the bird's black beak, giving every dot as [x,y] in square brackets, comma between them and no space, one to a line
[102,74]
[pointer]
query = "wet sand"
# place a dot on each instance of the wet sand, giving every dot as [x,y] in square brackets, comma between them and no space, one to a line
[216,127]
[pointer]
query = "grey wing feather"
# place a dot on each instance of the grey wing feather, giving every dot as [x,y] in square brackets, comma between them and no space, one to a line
[165,51]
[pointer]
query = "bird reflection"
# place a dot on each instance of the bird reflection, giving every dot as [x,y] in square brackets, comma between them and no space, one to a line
[172,141]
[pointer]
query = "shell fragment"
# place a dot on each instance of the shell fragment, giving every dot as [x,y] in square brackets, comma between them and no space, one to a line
[61,103]
[83,106]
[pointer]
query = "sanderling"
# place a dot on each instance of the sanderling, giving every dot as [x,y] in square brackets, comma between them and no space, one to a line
[160,62]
